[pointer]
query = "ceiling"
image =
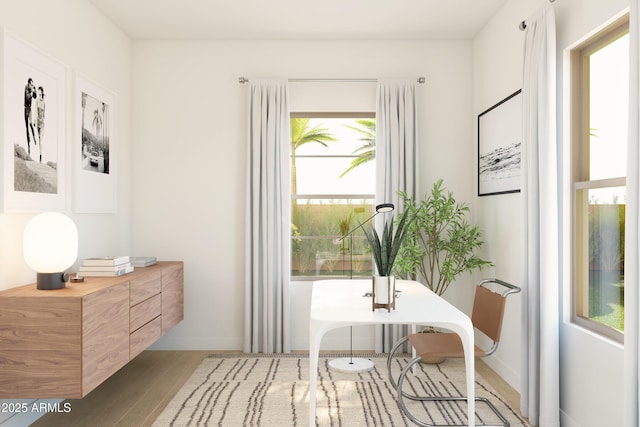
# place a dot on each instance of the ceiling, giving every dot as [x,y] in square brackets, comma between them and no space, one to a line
[299,19]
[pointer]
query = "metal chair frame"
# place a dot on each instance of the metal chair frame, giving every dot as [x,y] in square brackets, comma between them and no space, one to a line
[510,289]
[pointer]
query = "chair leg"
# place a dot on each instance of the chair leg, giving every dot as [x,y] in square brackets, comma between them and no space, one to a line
[392,380]
[401,395]
[393,351]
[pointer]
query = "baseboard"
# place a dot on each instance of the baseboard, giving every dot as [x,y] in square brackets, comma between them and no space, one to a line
[566,420]
[504,371]
[177,343]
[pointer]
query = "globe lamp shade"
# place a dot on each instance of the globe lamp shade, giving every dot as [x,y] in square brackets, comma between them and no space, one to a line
[50,246]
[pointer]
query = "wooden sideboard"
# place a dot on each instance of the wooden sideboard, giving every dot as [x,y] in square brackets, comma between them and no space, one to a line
[64,343]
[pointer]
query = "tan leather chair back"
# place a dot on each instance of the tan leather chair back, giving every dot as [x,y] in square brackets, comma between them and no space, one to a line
[488,312]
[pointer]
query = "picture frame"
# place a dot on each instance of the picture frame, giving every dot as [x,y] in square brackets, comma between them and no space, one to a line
[500,147]
[34,144]
[95,148]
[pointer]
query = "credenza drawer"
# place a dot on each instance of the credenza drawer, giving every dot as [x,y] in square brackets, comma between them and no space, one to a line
[144,312]
[144,287]
[144,337]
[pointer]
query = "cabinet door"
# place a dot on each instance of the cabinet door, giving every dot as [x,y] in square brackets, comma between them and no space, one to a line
[40,347]
[172,296]
[105,335]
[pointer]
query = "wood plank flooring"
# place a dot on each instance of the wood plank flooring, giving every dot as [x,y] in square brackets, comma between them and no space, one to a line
[137,394]
[134,396]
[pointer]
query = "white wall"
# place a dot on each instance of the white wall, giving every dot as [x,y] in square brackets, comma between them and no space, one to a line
[189,132]
[74,33]
[590,367]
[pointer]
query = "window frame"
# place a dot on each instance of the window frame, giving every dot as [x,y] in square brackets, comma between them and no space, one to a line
[580,164]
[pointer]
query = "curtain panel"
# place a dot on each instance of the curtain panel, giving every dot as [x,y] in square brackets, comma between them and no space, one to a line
[540,395]
[396,163]
[268,219]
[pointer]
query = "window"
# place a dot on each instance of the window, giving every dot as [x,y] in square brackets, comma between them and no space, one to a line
[600,77]
[332,191]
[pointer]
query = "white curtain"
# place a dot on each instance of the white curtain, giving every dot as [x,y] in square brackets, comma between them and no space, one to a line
[268,224]
[632,232]
[540,365]
[396,162]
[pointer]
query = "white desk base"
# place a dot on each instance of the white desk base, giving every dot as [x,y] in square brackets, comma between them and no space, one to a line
[340,303]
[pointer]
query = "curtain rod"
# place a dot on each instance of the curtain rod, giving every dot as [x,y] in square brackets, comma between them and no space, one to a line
[245,80]
[523,24]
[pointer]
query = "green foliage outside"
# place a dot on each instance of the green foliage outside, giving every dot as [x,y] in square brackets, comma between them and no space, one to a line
[301,134]
[317,227]
[316,248]
[606,264]
[367,152]
[606,298]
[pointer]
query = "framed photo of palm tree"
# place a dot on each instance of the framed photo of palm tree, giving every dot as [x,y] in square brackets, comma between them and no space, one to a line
[34,149]
[95,148]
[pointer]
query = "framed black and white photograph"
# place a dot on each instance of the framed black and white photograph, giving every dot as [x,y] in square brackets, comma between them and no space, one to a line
[500,147]
[95,148]
[34,144]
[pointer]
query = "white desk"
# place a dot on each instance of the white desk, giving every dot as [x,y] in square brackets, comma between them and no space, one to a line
[340,303]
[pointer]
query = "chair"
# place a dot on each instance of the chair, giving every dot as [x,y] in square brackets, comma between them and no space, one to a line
[487,315]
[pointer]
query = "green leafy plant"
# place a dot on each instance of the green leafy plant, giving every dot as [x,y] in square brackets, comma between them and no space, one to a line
[385,249]
[440,244]
[344,225]
[367,152]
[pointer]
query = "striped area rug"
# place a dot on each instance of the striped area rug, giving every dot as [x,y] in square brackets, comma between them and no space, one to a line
[273,391]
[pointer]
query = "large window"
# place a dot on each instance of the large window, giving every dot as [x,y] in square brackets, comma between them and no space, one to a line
[600,77]
[332,191]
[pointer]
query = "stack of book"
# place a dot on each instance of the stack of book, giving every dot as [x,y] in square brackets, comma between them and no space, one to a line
[142,261]
[110,266]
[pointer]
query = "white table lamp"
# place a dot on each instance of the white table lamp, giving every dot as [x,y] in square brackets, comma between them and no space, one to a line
[50,246]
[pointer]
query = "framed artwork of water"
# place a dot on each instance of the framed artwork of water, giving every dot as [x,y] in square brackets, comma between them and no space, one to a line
[500,147]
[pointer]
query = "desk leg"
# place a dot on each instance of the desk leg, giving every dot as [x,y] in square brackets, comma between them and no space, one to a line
[315,337]
[469,363]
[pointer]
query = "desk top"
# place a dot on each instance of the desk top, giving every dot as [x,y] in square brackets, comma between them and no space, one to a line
[342,301]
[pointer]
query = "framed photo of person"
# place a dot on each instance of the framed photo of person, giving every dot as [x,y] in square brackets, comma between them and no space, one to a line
[34,168]
[95,148]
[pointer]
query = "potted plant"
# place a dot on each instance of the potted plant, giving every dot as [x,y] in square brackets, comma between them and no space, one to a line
[385,249]
[344,225]
[440,243]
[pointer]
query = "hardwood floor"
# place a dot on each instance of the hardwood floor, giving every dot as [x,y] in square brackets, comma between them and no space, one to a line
[137,394]
[134,396]
[503,388]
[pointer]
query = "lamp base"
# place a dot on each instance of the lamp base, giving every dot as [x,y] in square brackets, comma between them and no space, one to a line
[351,365]
[51,281]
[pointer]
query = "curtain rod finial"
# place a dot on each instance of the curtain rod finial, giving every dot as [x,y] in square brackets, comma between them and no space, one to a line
[243,79]
[522,26]
[421,80]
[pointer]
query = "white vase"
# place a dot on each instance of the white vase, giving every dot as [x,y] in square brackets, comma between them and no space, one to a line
[384,292]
